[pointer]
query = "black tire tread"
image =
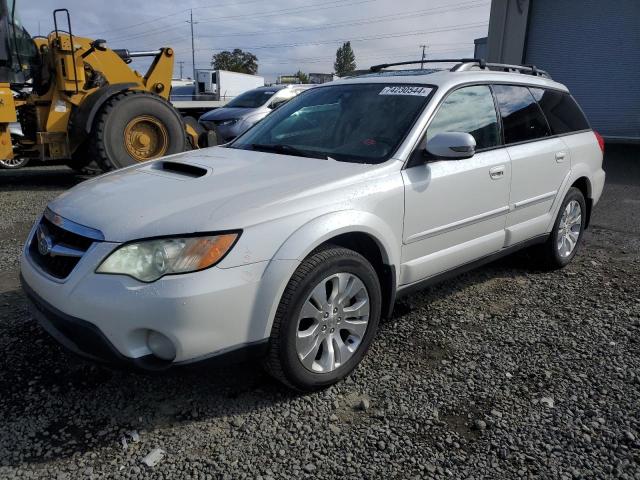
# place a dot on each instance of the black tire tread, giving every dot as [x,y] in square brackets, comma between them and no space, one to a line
[545,253]
[97,140]
[322,254]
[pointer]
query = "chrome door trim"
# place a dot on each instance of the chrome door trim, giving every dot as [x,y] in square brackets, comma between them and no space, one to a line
[532,200]
[458,224]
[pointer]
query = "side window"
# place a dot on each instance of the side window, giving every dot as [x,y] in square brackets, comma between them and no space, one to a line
[522,118]
[469,110]
[561,110]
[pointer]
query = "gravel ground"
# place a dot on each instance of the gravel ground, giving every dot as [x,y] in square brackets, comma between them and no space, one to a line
[504,372]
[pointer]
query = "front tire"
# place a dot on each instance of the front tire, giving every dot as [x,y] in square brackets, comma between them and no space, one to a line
[326,319]
[567,232]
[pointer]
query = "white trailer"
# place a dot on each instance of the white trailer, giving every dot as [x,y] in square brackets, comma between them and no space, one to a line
[213,89]
[225,85]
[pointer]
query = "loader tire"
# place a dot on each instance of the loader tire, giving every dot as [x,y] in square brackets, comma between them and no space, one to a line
[133,127]
[83,162]
[200,131]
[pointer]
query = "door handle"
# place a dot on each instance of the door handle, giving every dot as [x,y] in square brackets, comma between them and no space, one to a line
[497,173]
[560,156]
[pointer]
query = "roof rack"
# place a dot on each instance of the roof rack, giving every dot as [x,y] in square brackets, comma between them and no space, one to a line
[465,64]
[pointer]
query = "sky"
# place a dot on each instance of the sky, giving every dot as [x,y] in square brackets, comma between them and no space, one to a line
[285,35]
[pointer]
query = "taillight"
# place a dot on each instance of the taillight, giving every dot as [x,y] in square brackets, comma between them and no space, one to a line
[600,140]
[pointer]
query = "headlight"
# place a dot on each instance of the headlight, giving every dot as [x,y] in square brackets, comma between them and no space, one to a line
[148,260]
[229,122]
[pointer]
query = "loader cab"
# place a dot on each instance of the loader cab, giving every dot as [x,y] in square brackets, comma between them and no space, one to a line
[18,52]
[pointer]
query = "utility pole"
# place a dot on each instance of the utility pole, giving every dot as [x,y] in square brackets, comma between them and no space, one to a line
[193,48]
[424,56]
[181,63]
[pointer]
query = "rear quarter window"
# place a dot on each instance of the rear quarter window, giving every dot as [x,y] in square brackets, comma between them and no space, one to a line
[522,118]
[562,111]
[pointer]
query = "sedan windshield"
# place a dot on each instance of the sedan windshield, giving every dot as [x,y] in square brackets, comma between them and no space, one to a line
[363,123]
[251,99]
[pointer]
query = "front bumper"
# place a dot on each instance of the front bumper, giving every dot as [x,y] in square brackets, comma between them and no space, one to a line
[82,337]
[227,132]
[109,317]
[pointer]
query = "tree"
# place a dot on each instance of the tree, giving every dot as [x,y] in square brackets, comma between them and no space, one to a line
[303,77]
[236,61]
[345,60]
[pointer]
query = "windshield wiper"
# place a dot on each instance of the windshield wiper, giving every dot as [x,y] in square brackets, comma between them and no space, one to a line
[286,150]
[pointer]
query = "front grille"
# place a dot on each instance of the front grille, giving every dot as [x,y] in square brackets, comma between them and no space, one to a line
[59,266]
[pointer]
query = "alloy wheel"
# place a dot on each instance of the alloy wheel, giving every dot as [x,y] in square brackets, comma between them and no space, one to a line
[332,322]
[569,228]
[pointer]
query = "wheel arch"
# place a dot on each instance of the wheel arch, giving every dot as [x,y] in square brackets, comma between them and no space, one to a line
[360,231]
[583,184]
[83,116]
[371,249]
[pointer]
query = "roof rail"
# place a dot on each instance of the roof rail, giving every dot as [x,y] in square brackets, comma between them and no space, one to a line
[377,68]
[502,67]
[465,64]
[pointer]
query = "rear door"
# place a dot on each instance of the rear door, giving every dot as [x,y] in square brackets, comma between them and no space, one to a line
[455,210]
[539,162]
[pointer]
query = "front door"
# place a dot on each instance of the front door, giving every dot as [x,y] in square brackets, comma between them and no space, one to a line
[455,210]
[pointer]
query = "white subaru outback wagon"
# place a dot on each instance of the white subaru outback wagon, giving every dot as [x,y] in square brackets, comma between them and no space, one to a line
[294,240]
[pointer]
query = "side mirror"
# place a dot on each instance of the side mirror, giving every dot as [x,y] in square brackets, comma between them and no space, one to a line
[451,146]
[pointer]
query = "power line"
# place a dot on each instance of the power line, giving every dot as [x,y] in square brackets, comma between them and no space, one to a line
[367,21]
[307,8]
[361,39]
[357,22]
[173,14]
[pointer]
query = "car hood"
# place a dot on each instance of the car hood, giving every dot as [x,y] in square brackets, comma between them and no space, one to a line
[227,113]
[238,188]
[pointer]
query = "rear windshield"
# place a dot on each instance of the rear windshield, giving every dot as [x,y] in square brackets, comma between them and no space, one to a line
[251,99]
[363,123]
[562,111]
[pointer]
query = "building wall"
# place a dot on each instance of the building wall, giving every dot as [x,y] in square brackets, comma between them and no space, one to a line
[507,30]
[595,51]
[592,46]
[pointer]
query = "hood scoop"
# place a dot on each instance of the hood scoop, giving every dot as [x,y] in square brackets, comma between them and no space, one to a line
[176,169]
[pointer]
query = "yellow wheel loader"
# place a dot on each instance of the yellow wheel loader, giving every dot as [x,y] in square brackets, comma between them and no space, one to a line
[72,99]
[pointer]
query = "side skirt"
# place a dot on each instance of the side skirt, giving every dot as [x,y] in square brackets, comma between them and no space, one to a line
[440,277]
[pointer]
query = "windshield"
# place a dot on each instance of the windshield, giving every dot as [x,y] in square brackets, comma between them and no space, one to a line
[362,123]
[22,53]
[251,99]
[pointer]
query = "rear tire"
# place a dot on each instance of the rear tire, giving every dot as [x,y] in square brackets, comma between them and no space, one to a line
[326,319]
[566,236]
[133,127]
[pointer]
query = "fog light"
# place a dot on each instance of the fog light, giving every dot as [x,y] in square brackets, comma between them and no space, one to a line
[161,346]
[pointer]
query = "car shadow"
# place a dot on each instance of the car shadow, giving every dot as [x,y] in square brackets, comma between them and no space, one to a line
[515,265]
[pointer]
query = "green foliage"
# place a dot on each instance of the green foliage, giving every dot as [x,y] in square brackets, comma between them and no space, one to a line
[303,77]
[345,62]
[236,61]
